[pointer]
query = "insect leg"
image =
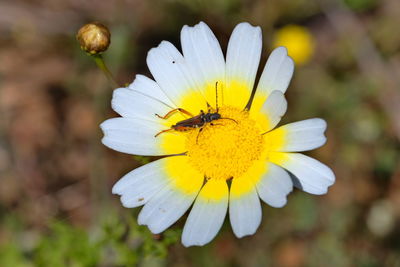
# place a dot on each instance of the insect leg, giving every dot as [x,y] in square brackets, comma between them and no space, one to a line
[197,138]
[170,113]
[163,131]
[209,108]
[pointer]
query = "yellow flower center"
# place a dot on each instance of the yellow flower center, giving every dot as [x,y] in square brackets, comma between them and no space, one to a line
[226,148]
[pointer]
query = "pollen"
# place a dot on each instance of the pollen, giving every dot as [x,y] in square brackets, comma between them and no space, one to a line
[227,147]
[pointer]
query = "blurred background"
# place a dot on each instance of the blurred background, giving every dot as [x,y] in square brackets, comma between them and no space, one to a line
[56,206]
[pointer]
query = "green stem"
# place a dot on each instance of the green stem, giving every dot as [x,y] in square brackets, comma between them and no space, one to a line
[102,65]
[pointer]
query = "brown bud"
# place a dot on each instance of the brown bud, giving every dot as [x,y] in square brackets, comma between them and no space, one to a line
[94,38]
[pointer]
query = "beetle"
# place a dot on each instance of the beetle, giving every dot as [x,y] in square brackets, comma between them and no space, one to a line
[198,121]
[193,122]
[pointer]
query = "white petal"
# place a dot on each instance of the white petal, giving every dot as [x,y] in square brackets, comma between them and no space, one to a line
[206,217]
[165,208]
[170,70]
[277,72]
[132,136]
[132,104]
[274,108]
[303,135]
[274,186]
[139,185]
[148,87]
[244,212]
[314,177]
[203,54]
[243,55]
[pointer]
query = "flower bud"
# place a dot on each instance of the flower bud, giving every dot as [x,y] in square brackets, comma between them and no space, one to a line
[94,38]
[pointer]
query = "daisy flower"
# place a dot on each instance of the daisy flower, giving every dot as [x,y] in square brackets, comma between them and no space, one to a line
[215,129]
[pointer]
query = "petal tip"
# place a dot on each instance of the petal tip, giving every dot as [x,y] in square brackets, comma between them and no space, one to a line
[248,232]
[281,50]
[191,243]
[280,204]
[154,229]
[116,189]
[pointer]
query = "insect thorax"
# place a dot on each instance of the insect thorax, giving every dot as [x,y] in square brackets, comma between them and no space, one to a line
[209,117]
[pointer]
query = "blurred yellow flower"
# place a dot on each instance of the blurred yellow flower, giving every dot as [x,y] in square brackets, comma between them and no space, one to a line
[298,40]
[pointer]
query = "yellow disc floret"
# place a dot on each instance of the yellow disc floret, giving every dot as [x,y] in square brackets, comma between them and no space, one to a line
[226,148]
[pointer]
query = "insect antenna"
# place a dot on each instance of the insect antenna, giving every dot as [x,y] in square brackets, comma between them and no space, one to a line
[248,105]
[216,94]
[229,119]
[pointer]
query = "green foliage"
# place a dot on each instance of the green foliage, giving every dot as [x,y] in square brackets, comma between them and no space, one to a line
[360,5]
[65,245]
[304,212]
[115,243]
[12,255]
[132,244]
